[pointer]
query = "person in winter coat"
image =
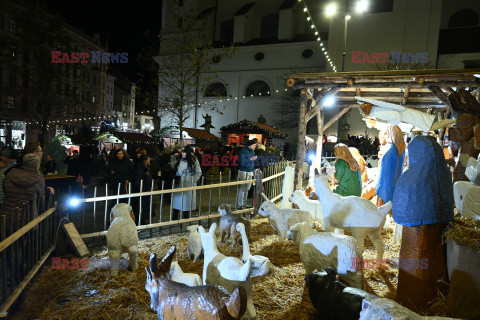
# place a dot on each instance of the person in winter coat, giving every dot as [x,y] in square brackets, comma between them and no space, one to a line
[50,166]
[246,168]
[73,163]
[347,172]
[121,170]
[188,171]
[23,185]
[8,157]
[141,172]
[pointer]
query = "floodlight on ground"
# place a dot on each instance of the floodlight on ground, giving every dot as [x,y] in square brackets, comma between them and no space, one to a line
[73,202]
[331,9]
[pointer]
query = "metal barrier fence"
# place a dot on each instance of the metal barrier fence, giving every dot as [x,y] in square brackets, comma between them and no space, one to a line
[93,215]
[25,244]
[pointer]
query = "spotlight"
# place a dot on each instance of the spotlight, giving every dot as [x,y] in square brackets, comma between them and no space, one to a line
[311,157]
[331,9]
[361,6]
[329,101]
[73,202]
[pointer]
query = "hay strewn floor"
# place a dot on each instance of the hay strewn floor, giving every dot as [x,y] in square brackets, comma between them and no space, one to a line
[93,294]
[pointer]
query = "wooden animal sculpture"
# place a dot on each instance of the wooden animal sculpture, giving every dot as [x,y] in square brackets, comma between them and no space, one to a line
[177,301]
[229,221]
[288,186]
[282,219]
[332,299]
[260,265]
[122,237]
[229,272]
[355,214]
[314,207]
[386,309]
[177,275]
[320,250]
[194,246]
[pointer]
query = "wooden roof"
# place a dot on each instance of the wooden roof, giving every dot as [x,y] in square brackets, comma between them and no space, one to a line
[201,134]
[410,88]
[246,126]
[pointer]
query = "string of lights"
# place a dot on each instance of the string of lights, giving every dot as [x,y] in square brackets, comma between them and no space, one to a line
[317,34]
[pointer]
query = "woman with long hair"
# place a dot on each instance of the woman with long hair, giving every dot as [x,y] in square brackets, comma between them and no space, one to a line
[188,172]
[121,170]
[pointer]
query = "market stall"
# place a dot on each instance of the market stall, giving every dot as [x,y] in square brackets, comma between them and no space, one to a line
[204,139]
[246,130]
[171,136]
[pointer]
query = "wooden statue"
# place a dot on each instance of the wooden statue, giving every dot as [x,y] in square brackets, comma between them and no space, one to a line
[208,122]
[177,301]
[423,199]
[261,119]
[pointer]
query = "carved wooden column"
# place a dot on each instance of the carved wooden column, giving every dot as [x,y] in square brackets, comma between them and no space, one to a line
[318,158]
[301,147]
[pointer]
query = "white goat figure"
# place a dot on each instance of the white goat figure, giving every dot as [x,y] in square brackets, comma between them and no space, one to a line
[260,265]
[177,275]
[228,272]
[467,194]
[282,219]
[355,214]
[313,207]
[122,237]
[386,309]
[473,170]
[194,246]
[321,250]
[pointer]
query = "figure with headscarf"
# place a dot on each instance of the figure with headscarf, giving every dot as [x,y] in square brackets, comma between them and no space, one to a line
[423,204]
[347,172]
[361,162]
[391,166]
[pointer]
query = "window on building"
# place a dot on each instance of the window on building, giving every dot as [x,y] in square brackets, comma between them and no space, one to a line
[269,27]
[377,6]
[226,31]
[463,18]
[307,53]
[258,88]
[216,89]
[1,22]
[180,3]
[13,26]
[11,102]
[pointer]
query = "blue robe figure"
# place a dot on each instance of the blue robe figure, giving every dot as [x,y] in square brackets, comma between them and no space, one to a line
[391,165]
[424,192]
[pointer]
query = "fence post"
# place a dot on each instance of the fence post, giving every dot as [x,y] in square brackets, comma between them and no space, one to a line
[258,191]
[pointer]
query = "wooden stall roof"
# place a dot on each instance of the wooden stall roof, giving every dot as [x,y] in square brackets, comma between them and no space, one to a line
[134,137]
[201,134]
[246,126]
[410,88]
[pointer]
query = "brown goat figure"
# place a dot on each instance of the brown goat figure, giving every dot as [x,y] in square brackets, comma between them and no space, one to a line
[177,301]
[229,221]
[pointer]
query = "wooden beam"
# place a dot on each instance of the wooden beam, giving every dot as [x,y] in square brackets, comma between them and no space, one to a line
[441,95]
[303,85]
[318,156]
[301,148]
[405,96]
[336,117]
[316,109]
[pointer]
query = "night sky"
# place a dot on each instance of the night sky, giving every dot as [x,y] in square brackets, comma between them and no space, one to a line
[123,24]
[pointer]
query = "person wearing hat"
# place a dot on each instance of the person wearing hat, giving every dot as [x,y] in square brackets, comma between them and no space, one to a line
[8,160]
[246,167]
[21,185]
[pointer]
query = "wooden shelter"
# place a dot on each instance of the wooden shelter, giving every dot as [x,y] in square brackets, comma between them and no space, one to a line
[426,90]
[245,129]
[204,139]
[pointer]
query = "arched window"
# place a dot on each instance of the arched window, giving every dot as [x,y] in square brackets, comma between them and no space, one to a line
[216,89]
[258,88]
[463,18]
[269,28]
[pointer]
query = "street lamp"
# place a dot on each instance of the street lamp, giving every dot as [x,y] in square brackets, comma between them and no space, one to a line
[361,6]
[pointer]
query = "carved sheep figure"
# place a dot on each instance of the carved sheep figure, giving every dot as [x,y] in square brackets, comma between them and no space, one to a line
[228,222]
[229,272]
[314,207]
[355,214]
[320,250]
[386,309]
[260,265]
[177,301]
[194,246]
[122,237]
[332,299]
[282,219]
[177,275]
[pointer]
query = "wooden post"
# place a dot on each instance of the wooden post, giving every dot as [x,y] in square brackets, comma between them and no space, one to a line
[258,191]
[302,127]
[318,156]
